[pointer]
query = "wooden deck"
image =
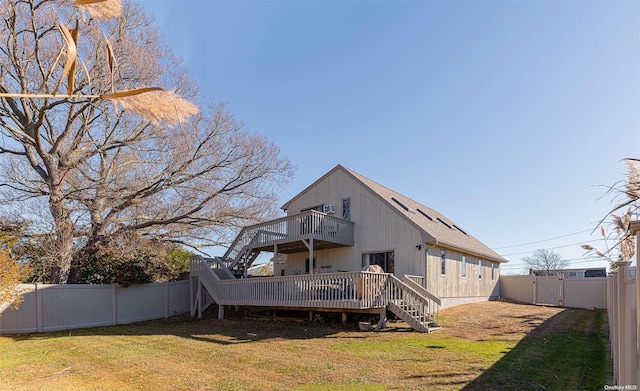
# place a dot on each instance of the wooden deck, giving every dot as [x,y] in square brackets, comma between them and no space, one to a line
[349,291]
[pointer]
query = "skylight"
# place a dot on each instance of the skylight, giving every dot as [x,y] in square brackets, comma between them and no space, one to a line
[442,221]
[425,214]
[402,204]
[459,229]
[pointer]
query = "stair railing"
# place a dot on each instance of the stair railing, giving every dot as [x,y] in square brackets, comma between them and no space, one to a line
[434,301]
[402,294]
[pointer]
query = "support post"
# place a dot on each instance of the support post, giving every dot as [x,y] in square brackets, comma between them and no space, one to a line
[191,293]
[199,299]
[276,272]
[344,319]
[220,312]
[311,271]
[309,246]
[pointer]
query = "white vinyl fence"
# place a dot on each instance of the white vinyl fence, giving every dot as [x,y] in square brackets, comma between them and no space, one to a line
[63,307]
[556,290]
[623,294]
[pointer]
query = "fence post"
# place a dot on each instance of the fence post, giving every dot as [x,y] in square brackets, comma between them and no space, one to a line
[39,309]
[535,289]
[114,305]
[634,227]
[625,365]
[614,329]
[166,300]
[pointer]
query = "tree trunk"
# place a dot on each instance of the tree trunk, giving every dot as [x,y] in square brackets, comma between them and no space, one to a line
[64,238]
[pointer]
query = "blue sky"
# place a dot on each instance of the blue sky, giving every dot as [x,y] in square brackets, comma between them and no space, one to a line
[506,116]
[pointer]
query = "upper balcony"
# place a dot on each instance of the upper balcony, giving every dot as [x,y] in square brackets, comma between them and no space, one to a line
[290,233]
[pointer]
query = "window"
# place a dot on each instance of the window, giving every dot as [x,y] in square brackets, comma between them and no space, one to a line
[346,209]
[385,260]
[443,262]
[493,271]
[464,266]
[479,269]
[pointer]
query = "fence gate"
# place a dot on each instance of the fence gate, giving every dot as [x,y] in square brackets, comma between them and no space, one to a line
[553,290]
[549,290]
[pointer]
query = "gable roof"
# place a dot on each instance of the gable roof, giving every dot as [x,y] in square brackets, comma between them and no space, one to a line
[436,229]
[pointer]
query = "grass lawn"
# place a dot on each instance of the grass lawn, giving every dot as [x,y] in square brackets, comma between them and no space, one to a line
[482,346]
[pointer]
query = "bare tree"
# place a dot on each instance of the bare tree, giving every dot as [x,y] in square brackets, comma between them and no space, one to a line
[546,262]
[111,154]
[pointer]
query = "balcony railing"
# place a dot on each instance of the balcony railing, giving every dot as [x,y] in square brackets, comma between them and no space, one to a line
[303,226]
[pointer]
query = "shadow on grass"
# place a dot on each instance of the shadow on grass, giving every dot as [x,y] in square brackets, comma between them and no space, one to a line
[565,352]
[234,329]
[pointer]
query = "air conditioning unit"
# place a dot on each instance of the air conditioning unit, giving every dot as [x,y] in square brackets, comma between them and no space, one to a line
[330,209]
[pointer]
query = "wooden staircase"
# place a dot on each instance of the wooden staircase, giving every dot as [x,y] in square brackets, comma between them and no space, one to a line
[241,254]
[413,304]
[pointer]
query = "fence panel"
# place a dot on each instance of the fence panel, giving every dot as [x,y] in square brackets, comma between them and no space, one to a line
[63,307]
[136,303]
[24,319]
[585,292]
[75,306]
[178,298]
[517,288]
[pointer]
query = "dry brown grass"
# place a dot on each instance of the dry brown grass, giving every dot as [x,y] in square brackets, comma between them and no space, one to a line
[238,354]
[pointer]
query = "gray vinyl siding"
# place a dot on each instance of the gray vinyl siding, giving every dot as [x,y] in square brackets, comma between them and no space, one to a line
[452,284]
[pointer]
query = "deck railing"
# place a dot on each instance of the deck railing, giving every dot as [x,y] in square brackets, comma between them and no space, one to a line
[305,225]
[357,290]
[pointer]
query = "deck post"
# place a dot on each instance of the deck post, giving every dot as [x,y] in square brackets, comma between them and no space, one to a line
[220,312]
[310,316]
[311,271]
[344,318]
[199,299]
[275,260]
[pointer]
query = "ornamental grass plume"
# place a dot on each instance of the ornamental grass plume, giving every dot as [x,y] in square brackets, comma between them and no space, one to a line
[633,179]
[100,9]
[157,106]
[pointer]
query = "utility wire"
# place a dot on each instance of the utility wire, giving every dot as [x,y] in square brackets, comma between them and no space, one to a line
[551,248]
[569,262]
[544,240]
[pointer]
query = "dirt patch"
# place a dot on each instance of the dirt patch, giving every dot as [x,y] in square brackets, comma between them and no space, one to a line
[495,320]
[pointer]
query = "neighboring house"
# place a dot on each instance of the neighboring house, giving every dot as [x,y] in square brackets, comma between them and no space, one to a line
[401,235]
[335,229]
[572,273]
